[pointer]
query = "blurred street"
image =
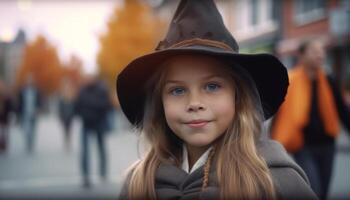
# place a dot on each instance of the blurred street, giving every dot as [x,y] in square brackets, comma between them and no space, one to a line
[52,172]
[62,70]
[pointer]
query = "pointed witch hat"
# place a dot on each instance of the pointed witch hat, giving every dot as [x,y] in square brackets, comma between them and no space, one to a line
[197,27]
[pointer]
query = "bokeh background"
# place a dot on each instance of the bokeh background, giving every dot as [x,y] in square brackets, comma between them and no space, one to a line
[60,44]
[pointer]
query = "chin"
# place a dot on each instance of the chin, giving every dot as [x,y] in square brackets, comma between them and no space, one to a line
[199,142]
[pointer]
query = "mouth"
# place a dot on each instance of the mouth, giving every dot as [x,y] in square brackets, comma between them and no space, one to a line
[197,123]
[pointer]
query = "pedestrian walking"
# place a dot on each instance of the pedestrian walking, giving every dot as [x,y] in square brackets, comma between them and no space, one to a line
[200,105]
[92,105]
[29,107]
[308,121]
[66,109]
[5,109]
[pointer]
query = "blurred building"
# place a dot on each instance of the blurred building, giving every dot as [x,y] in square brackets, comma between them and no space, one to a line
[10,57]
[254,23]
[328,20]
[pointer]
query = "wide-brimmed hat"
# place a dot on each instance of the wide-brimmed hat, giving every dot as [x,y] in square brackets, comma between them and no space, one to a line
[197,27]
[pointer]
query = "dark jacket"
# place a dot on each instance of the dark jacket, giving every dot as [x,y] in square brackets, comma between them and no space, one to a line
[93,104]
[5,109]
[289,179]
[315,133]
[343,110]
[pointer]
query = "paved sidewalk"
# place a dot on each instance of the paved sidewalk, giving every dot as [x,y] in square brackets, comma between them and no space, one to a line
[53,172]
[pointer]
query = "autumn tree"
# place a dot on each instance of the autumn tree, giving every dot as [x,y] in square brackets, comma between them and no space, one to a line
[71,79]
[132,31]
[72,70]
[41,61]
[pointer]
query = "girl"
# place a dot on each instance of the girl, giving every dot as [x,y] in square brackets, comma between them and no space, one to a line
[200,105]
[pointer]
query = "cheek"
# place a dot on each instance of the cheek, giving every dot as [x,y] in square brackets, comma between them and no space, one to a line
[172,114]
[225,107]
[223,110]
[226,114]
[171,109]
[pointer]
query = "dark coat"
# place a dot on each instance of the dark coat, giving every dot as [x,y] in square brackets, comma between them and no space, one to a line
[343,110]
[289,179]
[93,104]
[5,109]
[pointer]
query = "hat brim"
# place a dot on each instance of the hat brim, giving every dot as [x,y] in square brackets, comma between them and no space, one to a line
[268,73]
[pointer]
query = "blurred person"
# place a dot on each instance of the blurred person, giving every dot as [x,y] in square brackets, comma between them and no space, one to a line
[5,109]
[29,104]
[92,105]
[307,123]
[66,109]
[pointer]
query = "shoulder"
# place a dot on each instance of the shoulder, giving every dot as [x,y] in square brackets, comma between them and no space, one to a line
[124,186]
[289,184]
[123,194]
[289,179]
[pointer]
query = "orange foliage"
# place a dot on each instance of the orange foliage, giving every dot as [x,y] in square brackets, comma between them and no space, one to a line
[40,59]
[73,70]
[132,31]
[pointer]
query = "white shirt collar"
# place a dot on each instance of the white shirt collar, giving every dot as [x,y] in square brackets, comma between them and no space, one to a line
[200,162]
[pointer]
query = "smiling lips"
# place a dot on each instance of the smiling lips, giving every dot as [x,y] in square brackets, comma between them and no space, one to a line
[197,123]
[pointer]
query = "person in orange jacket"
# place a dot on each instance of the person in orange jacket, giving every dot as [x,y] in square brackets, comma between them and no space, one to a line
[307,123]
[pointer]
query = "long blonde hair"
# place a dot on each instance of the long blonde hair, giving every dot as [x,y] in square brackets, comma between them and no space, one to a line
[241,172]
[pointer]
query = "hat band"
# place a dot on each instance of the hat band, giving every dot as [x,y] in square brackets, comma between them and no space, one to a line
[204,42]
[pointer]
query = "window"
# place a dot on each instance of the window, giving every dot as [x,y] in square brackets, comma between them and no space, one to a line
[275,9]
[307,11]
[255,12]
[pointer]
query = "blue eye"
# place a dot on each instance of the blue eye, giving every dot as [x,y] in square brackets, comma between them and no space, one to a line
[212,87]
[177,91]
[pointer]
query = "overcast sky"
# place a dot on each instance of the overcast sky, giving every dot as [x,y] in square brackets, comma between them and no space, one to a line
[73,26]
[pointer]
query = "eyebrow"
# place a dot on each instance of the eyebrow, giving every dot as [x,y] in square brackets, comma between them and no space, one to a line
[204,78]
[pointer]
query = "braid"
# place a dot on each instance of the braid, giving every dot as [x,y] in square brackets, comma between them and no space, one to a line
[207,168]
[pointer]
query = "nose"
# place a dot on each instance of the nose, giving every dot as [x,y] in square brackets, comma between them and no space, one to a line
[195,104]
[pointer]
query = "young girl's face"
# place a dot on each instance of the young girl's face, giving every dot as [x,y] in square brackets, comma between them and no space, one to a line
[198,99]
